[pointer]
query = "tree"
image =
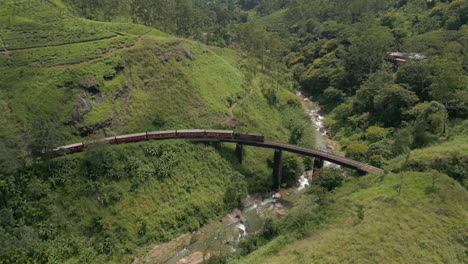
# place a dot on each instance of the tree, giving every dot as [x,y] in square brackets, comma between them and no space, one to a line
[330,178]
[364,100]
[392,102]
[431,115]
[236,192]
[374,133]
[368,49]
[357,151]
[402,141]
[9,164]
[448,80]
[46,135]
[416,75]
[291,170]
[331,98]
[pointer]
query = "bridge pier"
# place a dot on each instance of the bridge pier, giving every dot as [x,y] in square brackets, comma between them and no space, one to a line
[361,172]
[216,144]
[278,162]
[318,163]
[240,152]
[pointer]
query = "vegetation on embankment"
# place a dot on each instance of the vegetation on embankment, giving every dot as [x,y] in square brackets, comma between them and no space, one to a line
[409,118]
[408,217]
[66,79]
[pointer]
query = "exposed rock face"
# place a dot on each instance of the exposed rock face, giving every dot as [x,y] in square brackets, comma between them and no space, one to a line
[109,76]
[82,107]
[120,92]
[187,52]
[233,217]
[166,56]
[88,130]
[90,84]
[177,53]
[98,98]
[195,258]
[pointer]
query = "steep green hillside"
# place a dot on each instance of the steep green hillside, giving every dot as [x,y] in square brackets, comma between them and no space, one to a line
[66,79]
[408,117]
[408,217]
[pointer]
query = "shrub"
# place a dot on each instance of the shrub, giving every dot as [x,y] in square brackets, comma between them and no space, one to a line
[375,133]
[357,151]
[330,179]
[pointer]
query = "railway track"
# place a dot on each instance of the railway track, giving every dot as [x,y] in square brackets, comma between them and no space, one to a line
[345,162]
[201,135]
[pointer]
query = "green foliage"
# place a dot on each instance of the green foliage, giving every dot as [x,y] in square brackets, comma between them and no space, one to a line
[368,208]
[374,133]
[368,48]
[236,192]
[392,102]
[291,170]
[329,178]
[46,136]
[101,205]
[357,151]
[446,157]
[331,98]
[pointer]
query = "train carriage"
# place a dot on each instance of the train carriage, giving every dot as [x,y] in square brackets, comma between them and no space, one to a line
[74,147]
[219,133]
[191,133]
[131,137]
[161,134]
[249,136]
[110,140]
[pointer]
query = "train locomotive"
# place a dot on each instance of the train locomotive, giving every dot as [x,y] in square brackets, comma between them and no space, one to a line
[168,134]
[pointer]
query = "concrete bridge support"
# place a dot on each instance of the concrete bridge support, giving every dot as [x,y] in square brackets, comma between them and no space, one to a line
[278,162]
[318,163]
[240,152]
[216,145]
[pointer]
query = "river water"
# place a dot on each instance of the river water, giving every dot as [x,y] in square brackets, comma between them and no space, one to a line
[317,117]
[257,207]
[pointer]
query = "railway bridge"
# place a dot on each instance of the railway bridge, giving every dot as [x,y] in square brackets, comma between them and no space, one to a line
[241,140]
[279,147]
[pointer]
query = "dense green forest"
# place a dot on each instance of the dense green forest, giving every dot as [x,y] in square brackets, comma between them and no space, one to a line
[75,70]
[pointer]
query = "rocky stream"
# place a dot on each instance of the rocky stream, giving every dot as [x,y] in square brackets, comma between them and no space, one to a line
[222,236]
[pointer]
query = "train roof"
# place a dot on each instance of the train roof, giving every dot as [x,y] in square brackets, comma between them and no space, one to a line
[162,132]
[72,145]
[108,138]
[132,135]
[251,134]
[191,131]
[219,131]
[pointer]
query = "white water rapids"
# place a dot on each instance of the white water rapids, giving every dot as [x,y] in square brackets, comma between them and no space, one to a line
[260,207]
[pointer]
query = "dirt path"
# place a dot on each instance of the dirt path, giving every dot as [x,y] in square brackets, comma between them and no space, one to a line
[231,120]
[59,45]
[55,21]
[6,51]
[107,53]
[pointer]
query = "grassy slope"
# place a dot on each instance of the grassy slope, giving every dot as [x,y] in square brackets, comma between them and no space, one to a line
[49,80]
[420,225]
[425,223]
[128,203]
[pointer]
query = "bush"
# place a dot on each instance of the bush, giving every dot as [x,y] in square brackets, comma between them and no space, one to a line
[357,151]
[330,178]
[291,171]
[374,133]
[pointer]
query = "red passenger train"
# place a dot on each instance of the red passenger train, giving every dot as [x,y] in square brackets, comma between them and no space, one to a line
[194,133]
